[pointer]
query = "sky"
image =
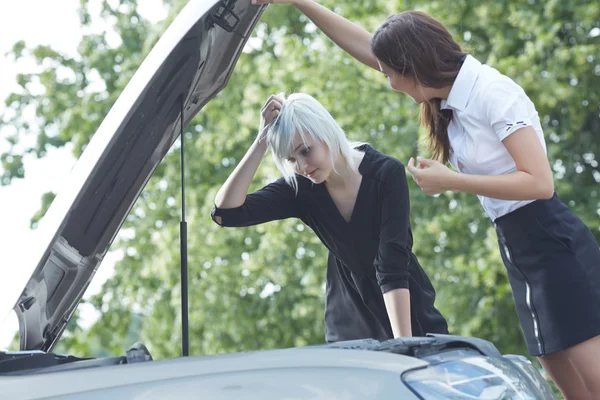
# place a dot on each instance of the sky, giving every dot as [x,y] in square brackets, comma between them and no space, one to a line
[53,23]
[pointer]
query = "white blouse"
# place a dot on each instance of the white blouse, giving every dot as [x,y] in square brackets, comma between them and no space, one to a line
[487,107]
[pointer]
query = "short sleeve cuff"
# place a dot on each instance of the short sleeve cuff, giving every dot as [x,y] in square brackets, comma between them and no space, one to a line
[223,213]
[512,126]
[388,287]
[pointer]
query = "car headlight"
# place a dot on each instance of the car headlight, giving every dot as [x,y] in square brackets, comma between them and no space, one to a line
[531,371]
[478,377]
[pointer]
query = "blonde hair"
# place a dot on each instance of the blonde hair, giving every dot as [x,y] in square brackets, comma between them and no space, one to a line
[303,114]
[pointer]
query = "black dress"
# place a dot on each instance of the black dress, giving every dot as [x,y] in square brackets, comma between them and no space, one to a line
[368,256]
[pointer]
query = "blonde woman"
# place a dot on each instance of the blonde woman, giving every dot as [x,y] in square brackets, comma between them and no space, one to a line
[356,200]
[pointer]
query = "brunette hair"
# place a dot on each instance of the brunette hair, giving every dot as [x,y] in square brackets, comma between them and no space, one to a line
[417,46]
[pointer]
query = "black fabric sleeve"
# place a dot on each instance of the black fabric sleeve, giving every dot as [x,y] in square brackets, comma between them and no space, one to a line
[393,255]
[275,201]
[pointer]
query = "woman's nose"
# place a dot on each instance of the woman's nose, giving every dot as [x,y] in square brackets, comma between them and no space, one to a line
[302,164]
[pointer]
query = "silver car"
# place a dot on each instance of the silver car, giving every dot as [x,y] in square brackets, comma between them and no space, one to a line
[189,65]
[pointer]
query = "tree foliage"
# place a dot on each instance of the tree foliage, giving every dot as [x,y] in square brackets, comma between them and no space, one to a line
[263,287]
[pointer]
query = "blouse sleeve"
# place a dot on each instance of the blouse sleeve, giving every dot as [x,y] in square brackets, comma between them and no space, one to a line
[507,107]
[393,255]
[273,202]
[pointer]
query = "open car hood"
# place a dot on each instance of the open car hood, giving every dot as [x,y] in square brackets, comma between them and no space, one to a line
[189,65]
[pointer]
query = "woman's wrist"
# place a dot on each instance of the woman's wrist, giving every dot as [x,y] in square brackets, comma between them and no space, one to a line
[260,145]
[452,182]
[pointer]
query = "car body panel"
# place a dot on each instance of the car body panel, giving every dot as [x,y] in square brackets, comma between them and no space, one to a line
[269,374]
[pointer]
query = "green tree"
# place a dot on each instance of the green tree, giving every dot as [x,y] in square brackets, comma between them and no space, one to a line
[262,287]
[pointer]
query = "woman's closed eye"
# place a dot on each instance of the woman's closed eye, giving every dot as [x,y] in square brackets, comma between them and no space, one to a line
[305,151]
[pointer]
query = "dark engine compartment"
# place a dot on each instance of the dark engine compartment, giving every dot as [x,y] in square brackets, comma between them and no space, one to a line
[27,362]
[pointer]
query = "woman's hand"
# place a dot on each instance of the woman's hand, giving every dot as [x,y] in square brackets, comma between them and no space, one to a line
[268,113]
[432,176]
[531,181]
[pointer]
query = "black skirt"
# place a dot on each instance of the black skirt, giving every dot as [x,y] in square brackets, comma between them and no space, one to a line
[553,264]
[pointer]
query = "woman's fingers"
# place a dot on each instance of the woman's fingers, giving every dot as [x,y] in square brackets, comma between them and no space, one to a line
[271,109]
[275,101]
[266,105]
[411,167]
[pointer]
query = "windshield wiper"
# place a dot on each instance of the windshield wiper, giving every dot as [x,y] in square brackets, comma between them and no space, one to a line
[26,360]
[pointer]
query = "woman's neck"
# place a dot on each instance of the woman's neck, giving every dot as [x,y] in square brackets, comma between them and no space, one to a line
[442,93]
[344,176]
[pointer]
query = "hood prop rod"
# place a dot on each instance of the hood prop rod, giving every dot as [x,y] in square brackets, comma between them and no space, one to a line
[183,249]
